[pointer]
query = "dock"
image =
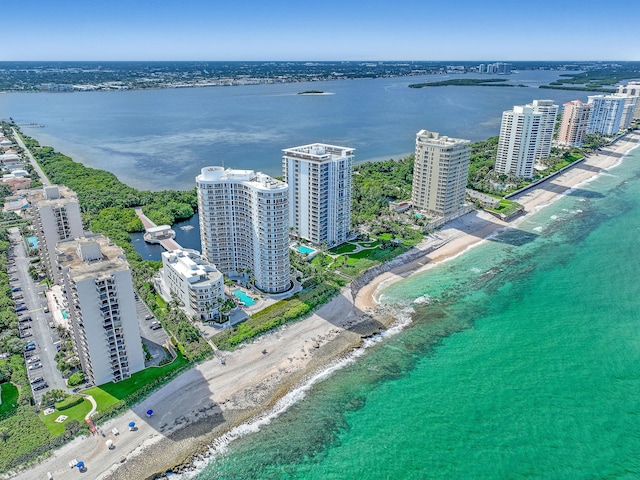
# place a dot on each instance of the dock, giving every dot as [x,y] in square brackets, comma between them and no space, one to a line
[158,234]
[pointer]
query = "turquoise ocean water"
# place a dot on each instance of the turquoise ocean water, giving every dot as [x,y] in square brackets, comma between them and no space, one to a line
[524,363]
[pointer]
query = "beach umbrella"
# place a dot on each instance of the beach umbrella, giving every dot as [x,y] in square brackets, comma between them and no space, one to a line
[80,465]
[132,424]
[109,444]
[149,412]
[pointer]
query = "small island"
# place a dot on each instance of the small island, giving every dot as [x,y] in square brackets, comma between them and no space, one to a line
[475,82]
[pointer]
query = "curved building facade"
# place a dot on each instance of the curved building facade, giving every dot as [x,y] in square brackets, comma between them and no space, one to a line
[244,225]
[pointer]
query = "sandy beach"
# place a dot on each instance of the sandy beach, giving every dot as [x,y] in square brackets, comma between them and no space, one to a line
[197,407]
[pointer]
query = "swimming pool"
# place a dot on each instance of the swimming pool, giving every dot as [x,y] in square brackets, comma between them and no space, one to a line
[65,315]
[304,250]
[33,242]
[243,297]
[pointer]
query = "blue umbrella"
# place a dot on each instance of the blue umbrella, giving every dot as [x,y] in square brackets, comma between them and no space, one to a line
[132,424]
[149,413]
[80,464]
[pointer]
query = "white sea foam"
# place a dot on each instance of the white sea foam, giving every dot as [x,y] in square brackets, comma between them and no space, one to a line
[423,300]
[538,229]
[220,445]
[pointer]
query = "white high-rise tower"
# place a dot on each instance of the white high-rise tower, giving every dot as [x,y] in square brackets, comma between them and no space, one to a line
[244,225]
[319,178]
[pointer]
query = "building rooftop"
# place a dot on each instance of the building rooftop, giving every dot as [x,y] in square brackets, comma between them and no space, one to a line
[258,180]
[319,152]
[434,138]
[90,256]
[192,266]
[53,195]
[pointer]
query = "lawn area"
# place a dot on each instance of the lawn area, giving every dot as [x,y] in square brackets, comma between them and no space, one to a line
[9,398]
[74,413]
[344,248]
[371,244]
[357,263]
[507,207]
[111,393]
[386,237]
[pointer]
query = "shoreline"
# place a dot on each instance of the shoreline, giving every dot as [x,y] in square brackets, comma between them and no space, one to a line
[196,409]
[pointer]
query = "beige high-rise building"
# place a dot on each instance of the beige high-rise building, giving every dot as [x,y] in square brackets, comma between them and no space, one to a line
[319,179]
[244,225]
[102,308]
[56,217]
[573,127]
[440,172]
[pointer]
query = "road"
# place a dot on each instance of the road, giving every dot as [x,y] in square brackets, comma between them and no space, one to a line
[43,178]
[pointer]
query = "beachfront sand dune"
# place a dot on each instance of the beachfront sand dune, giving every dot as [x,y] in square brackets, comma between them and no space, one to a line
[200,405]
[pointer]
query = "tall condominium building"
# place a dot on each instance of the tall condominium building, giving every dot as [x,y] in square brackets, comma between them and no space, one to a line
[244,225]
[56,217]
[549,112]
[606,114]
[319,178]
[629,109]
[573,127]
[632,88]
[526,133]
[190,278]
[440,172]
[102,308]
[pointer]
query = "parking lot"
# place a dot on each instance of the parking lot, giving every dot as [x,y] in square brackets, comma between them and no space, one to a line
[152,337]
[36,324]
[34,321]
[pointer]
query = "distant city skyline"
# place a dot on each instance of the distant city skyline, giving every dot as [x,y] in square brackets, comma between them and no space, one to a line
[71,30]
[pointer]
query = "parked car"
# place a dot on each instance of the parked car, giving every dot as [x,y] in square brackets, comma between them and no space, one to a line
[37,380]
[148,317]
[35,366]
[33,359]
[155,326]
[46,309]
[24,318]
[13,279]
[29,348]
[16,289]
[25,326]
[41,386]
[21,308]
[25,334]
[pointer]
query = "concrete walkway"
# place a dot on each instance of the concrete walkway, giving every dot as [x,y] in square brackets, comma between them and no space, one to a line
[94,406]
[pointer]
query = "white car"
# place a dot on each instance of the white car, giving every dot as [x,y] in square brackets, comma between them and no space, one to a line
[33,359]
[35,366]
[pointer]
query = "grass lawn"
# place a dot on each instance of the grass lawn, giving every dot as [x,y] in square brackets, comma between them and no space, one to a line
[9,398]
[110,393]
[369,244]
[364,259]
[385,237]
[345,248]
[74,413]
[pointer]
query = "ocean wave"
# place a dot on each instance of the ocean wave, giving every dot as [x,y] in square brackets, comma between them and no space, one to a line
[220,445]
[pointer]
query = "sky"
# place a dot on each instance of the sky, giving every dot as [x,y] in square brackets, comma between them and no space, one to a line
[319,30]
